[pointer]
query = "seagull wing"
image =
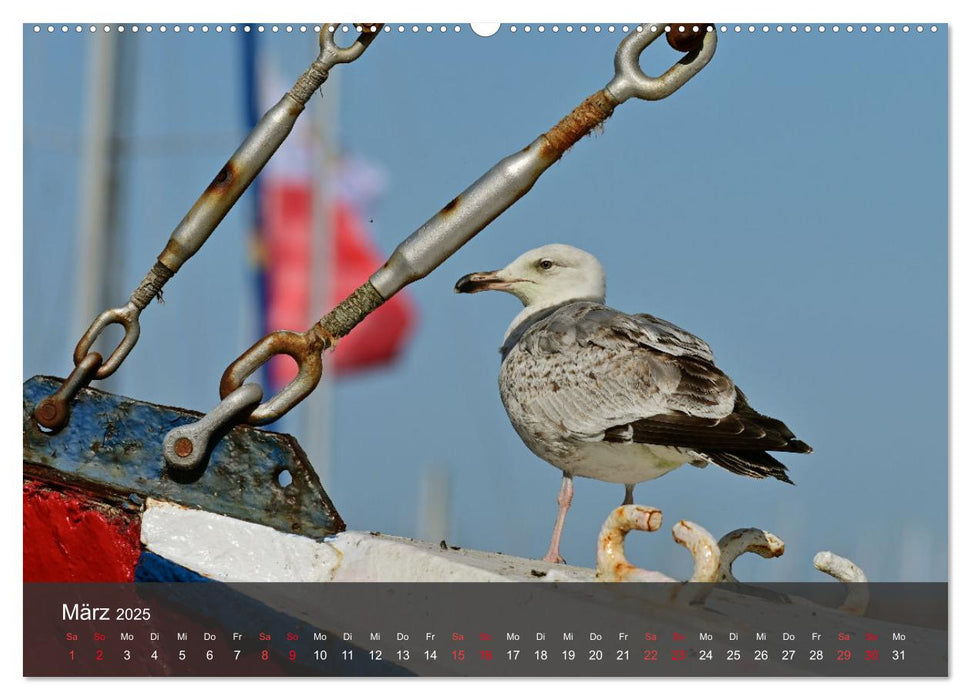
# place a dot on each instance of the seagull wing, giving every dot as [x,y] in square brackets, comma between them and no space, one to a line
[604,375]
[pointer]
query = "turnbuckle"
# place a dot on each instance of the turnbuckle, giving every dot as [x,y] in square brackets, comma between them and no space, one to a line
[206,214]
[462,218]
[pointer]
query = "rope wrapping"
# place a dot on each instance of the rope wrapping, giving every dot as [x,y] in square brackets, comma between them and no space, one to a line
[349,312]
[151,286]
[587,116]
[307,83]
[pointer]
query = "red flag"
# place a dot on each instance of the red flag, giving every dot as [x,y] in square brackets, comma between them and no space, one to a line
[287,207]
[380,337]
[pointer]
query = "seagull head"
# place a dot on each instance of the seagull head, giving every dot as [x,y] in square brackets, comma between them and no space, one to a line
[544,277]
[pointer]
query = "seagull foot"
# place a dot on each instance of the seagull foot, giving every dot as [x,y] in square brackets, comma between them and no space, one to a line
[554,558]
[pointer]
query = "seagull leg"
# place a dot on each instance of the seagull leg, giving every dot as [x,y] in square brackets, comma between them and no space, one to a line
[628,495]
[563,501]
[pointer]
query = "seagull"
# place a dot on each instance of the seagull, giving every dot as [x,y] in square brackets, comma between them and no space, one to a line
[617,397]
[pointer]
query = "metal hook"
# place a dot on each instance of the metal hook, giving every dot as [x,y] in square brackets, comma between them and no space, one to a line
[704,550]
[304,348]
[630,81]
[187,446]
[746,539]
[842,569]
[612,563]
[127,317]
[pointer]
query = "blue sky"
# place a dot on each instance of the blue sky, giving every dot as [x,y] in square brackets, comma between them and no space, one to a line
[789,205]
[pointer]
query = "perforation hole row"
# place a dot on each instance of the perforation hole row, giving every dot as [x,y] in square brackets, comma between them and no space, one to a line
[455,28]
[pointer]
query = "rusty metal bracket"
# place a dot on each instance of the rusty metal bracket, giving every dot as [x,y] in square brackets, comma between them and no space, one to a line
[113,445]
[612,563]
[208,211]
[465,216]
[842,569]
[704,550]
[746,539]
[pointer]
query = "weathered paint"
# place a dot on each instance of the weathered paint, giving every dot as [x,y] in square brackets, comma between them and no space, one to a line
[377,557]
[70,536]
[112,446]
[226,549]
[155,569]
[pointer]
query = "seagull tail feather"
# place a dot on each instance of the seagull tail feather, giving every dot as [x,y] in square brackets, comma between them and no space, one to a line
[754,463]
[798,446]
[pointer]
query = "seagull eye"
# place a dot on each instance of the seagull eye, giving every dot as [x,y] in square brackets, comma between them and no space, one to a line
[545,264]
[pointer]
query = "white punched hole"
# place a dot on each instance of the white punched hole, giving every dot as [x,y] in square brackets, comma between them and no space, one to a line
[485,28]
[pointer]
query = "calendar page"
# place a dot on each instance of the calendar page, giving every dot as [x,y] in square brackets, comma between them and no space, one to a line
[274,425]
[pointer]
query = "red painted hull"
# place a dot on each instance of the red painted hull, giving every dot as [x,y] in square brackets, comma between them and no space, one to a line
[71,537]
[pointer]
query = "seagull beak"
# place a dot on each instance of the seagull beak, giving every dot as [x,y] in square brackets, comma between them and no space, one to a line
[483,281]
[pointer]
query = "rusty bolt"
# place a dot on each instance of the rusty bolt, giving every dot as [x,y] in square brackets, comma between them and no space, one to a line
[51,414]
[183,447]
[683,37]
[46,411]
